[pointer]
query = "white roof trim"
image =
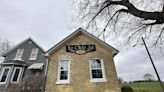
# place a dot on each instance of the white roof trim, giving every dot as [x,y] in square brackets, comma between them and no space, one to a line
[74,34]
[38,45]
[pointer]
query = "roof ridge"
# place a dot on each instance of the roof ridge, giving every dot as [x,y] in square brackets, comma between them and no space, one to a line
[21,43]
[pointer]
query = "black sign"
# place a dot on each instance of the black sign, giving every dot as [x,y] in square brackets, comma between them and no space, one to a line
[80,49]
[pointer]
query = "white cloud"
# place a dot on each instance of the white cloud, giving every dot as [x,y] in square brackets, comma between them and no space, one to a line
[39,19]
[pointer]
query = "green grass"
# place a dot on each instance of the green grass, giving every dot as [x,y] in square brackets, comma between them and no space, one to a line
[145,86]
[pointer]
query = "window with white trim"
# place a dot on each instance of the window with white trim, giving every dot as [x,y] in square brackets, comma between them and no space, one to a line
[34,53]
[4,75]
[19,54]
[16,74]
[97,72]
[63,72]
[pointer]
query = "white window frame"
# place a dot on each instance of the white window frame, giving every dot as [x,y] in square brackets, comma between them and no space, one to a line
[19,52]
[19,75]
[33,52]
[103,79]
[2,73]
[58,75]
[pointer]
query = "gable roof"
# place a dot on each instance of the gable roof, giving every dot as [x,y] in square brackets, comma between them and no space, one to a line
[20,44]
[76,33]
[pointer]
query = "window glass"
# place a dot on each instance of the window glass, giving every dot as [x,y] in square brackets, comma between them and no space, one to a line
[63,69]
[63,75]
[34,53]
[4,74]
[96,63]
[96,68]
[97,73]
[16,74]
[19,54]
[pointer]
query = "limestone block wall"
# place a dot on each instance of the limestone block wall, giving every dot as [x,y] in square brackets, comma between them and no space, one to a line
[79,69]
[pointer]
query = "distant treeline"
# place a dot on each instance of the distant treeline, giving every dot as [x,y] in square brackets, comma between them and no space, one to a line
[142,81]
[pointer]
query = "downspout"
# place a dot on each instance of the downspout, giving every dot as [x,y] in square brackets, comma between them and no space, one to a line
[46,71]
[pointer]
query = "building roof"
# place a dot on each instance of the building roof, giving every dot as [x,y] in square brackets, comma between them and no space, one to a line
[87,34]
[20,44]
[14,62]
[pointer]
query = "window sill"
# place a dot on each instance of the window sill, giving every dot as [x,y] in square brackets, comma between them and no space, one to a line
[98,80]
[63,82]
[2,83]
[32,58]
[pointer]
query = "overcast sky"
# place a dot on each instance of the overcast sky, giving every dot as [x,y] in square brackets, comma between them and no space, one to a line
[49,21]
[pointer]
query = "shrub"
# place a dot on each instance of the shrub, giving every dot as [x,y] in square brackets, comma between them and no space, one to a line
[126,89]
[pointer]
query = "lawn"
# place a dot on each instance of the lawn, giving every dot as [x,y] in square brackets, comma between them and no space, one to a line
[145,86]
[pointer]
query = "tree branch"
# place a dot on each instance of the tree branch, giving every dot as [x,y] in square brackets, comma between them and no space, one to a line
[104,29]
[159,36]
[101,9]
[159,16]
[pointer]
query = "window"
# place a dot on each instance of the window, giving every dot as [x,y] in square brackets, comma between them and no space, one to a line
[34,53]
[63,72]
[19,54]
[4,75]
[97,72]
[16,74]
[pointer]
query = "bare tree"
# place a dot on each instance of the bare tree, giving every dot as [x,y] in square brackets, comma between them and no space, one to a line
[5,45]
[128,19]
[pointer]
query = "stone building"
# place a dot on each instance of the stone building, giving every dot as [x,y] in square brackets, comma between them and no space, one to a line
[81,63]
